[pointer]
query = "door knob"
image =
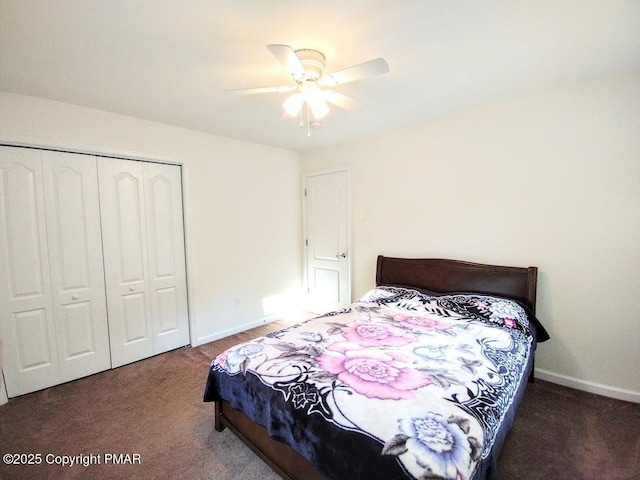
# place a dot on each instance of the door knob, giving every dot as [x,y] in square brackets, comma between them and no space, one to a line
[342,255]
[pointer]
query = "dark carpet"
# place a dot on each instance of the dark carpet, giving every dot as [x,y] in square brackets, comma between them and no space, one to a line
[150,415]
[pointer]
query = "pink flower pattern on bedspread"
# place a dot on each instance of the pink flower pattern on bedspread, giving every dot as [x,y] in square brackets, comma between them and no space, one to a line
[422,322]
[373,373]
[371,334]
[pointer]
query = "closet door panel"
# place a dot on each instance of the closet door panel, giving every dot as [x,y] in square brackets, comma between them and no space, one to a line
[75,246]
[134,309]
[129,215]
[78,334]
[33,339]
[168,315]
[167,274]
[125,252]
[26,309]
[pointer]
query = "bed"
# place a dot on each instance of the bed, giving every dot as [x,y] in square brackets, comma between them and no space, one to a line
[420,378]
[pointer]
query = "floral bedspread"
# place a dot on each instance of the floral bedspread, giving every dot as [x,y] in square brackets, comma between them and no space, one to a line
[398,384]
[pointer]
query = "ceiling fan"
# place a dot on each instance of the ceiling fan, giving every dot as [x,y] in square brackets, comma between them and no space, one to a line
[311,86]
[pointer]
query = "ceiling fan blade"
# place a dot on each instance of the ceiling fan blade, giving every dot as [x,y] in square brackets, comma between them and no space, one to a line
[250,91]
[357,72]
[339,100]
[287,57]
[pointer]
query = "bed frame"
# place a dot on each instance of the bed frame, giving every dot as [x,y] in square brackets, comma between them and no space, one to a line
[437,275]
[444,276]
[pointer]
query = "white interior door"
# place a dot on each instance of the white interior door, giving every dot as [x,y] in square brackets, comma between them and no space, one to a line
[26,309]
[167,269]
[76,265]
[327,241]
[125,251]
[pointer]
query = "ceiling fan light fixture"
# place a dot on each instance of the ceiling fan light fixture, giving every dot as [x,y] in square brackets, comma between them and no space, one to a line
[318,107]
[293,104]
[314,98]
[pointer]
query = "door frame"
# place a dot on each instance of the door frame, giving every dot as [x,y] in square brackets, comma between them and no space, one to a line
[305,267]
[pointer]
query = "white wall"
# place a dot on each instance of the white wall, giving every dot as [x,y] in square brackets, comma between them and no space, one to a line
[551,180]
[240,252]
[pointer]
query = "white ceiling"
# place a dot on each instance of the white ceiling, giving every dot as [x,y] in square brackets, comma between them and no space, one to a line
[171,61]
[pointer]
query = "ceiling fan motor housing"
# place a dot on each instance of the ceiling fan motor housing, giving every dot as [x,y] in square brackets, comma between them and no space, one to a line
[313,63]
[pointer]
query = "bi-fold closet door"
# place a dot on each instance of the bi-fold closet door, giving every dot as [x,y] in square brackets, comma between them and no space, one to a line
[92,265]
[145,275]
[52,308]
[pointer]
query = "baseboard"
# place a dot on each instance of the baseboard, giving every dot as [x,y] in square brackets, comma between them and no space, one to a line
[232,331]
[591,387]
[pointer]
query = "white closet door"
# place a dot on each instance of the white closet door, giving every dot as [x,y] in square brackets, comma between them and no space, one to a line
[125,253]
[75,259]
[26,309]
[165,242]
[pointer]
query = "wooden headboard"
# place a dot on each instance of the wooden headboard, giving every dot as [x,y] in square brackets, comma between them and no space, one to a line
[444,276]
